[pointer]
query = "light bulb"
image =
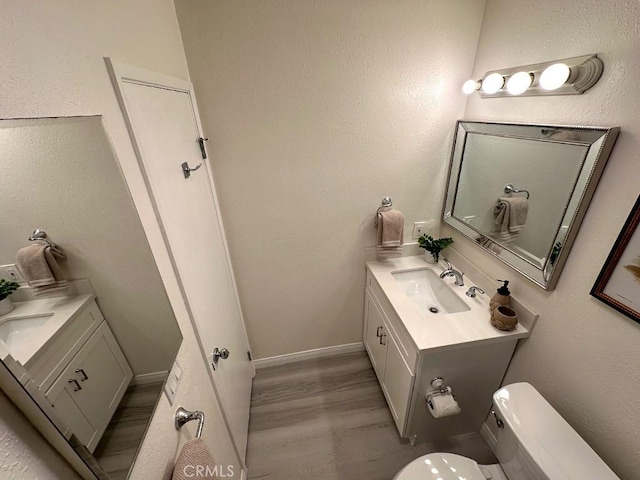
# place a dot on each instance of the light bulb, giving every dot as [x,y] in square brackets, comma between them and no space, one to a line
[492,83]
[470,86]
[554,76]
[519,82]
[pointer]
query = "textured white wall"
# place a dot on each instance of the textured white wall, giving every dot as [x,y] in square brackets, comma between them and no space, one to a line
[315,111]
[52,66]
[583,356]
[62,176]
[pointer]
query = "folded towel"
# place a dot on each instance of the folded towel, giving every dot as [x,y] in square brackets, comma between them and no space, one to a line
[39,266]
[390,225]
[511,216]
[195,461]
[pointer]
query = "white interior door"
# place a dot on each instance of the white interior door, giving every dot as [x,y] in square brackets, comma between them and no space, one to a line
[163,117]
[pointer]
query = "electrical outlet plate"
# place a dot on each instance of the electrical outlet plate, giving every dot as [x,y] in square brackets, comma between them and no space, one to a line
[418,229]
[11,273]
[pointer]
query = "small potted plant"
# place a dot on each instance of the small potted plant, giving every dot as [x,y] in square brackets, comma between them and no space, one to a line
[6,289]
[433,246]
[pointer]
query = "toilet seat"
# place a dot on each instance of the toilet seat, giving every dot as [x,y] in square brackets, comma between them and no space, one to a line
[441,466]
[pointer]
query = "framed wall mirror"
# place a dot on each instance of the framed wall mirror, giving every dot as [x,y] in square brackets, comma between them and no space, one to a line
[94,354]
[521,191]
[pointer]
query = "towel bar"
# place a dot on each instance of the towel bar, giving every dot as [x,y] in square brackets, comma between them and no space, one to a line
[183,416]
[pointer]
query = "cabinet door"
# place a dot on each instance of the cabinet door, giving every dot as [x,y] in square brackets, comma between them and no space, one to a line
[398,384]
[95,379]
[70,419]
[373,328]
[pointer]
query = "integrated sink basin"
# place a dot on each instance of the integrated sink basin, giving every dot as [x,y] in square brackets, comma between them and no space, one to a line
[33,324]
[427,290]
[15,331]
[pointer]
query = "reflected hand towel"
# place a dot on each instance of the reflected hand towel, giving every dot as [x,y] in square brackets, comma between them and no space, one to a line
[511,216]
[40,268]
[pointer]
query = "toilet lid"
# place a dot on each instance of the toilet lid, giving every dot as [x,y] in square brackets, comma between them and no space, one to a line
[441,466]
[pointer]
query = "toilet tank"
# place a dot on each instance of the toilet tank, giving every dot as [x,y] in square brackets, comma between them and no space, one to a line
[536,443]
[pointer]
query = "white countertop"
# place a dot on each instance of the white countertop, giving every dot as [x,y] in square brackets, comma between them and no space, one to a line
[442,331]
[60,309]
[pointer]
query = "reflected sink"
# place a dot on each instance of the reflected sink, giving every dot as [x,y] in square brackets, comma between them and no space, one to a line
[427,290]
[16,331]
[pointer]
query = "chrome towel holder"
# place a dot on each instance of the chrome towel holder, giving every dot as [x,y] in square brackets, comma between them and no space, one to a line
[183,416]
[39,234]
[509,188]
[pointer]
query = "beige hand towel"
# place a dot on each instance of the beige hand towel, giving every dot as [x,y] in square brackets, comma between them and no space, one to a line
[390,224]
[195,461]
[39,266]
[511,216]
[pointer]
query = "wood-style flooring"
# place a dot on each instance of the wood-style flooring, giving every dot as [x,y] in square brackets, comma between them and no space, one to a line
[327,419]
[119,444]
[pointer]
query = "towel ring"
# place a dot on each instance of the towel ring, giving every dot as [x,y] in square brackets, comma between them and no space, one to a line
[183,416]
[39,234]
[387,202]
[509,188]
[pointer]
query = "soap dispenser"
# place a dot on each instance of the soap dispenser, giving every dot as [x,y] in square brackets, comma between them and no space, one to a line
[502,297]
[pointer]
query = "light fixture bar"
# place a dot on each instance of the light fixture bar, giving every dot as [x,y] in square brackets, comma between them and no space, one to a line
[585,71]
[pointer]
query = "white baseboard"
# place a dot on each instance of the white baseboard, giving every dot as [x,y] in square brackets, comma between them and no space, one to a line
[308,354]
[146,378]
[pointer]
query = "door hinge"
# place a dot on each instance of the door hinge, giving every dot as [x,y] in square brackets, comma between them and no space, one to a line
[203,151]
[249,356]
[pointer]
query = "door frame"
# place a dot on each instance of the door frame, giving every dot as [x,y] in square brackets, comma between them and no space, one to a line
[120,74]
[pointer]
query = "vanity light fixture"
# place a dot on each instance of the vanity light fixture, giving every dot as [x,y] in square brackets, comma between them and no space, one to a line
[471,86]
[492,83]
[519,82]
[569,76]
[554,76]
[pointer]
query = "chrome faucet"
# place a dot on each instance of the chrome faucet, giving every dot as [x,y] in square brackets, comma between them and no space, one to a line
[451,272]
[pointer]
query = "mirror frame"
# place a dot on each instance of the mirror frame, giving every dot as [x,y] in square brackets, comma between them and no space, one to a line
[599,142]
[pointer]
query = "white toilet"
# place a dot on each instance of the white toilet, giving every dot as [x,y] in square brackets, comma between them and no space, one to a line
[534,443]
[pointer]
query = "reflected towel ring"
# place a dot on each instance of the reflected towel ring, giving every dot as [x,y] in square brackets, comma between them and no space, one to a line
[509,188]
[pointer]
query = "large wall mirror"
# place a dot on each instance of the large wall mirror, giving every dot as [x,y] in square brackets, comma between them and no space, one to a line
[521,191]
[93,354]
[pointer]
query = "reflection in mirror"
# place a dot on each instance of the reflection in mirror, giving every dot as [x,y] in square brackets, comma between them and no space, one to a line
[520,191]
[93,354]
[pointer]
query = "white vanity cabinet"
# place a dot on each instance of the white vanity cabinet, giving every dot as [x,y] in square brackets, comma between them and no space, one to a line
[409,347]
[83,375]
[388,356]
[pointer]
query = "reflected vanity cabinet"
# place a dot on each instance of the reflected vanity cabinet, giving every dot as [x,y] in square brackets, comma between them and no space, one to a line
[83,375]
[391,352]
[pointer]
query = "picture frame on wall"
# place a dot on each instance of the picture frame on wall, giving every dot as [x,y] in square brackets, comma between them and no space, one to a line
[618,284]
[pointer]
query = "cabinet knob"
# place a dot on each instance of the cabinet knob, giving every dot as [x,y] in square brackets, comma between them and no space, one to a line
[77,387]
